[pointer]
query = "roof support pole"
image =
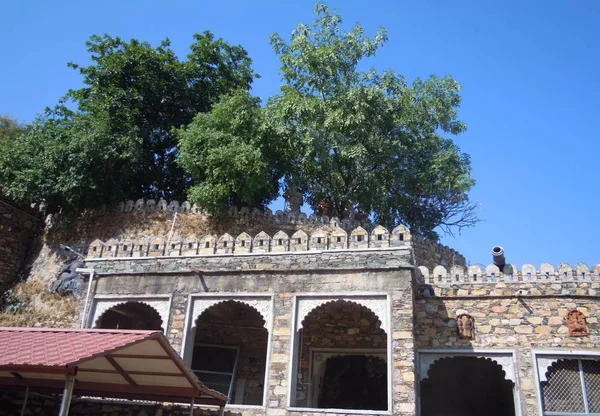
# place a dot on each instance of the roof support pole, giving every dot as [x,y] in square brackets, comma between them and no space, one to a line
[25,400]
[67,394]
[221,410]
[192,407]
[87,296]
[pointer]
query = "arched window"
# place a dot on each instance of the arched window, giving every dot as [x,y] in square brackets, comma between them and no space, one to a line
[341,359]
[572,386]
[230,351]
[130,315]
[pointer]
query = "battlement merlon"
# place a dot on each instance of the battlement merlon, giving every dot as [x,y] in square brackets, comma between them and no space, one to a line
[475,275]
[299,241]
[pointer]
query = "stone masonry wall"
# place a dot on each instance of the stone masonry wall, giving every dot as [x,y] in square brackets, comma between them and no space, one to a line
[283,275]
[39,405]
[523,311]
[17,230]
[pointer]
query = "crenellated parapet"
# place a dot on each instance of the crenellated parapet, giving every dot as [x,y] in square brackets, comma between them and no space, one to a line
[528,273]
[279,217]
[320,239]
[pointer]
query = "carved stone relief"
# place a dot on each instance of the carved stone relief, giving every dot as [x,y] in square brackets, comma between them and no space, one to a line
[465,326]
[576,324]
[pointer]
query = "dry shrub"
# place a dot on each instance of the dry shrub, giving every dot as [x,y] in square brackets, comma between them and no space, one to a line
[42,308]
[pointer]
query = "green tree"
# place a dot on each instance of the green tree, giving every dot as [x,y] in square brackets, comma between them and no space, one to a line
[117,140]
[233,156]
[67,160]
[367,139]
[146,92]
[10,128]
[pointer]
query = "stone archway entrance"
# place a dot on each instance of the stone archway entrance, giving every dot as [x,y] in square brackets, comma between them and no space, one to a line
[340,358]
[466,386]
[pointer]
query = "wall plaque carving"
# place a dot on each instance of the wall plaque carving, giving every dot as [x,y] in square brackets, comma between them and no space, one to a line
[576,324]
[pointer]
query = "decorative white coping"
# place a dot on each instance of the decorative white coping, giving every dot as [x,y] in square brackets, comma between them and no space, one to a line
[262,305]
[376,304]
[271,253]
[161,304]
[505,360]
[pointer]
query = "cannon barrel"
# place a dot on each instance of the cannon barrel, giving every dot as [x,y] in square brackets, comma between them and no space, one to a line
[498,257]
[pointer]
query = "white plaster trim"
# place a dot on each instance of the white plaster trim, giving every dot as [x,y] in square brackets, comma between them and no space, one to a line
[294,350]
[269,253]
[376,304]
[102,303]
[199,302]
[263,306]
[505,359]
[543,365]
[543,361]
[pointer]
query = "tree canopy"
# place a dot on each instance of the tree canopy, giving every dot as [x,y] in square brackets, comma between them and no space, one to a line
[368,140]
[147,124]
[10,128]
[118,140]
[233,156]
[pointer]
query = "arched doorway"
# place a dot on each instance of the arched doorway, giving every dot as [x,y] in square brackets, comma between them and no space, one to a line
[466,386]
[130,315]
[230,351]
[342,359]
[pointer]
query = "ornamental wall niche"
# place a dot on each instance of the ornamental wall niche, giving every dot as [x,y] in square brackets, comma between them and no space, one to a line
[162,305]
[376,304]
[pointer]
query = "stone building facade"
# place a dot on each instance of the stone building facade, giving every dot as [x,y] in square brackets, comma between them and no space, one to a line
[329,317]
[349,325]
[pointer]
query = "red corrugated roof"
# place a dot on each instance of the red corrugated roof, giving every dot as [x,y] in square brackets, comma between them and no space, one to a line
[27,355]
[60,347]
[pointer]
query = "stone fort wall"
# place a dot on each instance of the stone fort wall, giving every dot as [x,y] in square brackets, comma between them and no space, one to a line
[286,228]
[521,310]
[17,231]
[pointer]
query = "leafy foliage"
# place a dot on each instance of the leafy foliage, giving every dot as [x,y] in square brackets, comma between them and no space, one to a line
[10,128]
[119,142]
[232,155]
[366,139]
[149,125]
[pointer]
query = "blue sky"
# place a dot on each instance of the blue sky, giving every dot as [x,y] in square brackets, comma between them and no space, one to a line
[529,72]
